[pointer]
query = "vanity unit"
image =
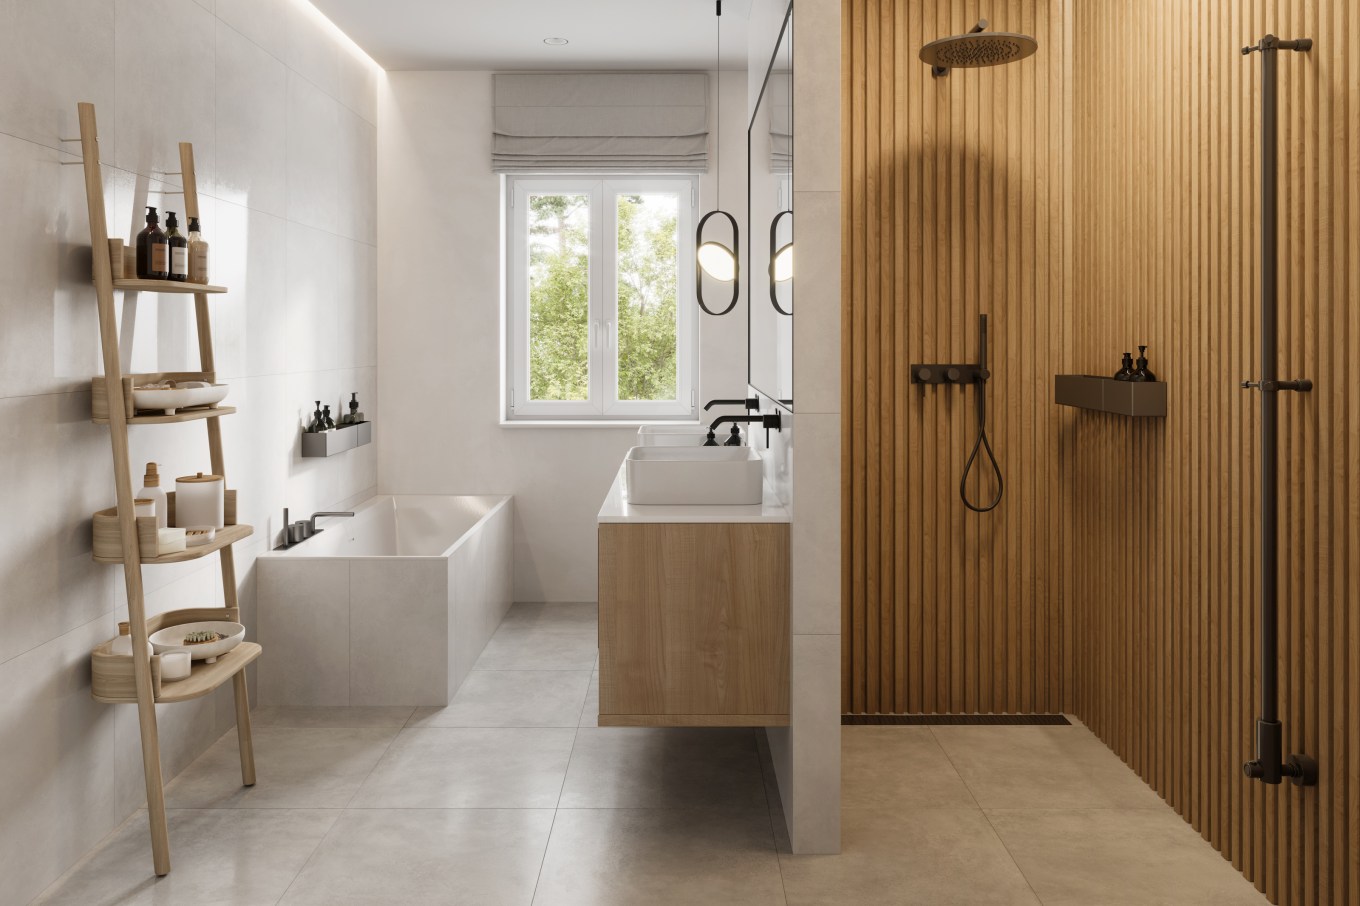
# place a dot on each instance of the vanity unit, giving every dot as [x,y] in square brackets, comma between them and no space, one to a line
[693,613]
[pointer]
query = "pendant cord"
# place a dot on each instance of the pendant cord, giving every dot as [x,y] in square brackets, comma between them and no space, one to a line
[717,140]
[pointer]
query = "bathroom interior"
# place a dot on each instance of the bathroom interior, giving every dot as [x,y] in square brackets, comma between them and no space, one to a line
[451,546]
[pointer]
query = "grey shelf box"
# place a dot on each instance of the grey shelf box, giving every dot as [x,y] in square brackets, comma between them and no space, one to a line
[329,443]
[1102,394]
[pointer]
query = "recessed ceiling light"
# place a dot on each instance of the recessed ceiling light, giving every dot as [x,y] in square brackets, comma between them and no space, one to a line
[555,42]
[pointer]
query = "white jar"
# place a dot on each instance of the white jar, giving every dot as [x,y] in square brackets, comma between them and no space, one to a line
[200,500]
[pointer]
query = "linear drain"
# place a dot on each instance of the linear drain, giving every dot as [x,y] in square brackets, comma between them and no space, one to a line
[954,720]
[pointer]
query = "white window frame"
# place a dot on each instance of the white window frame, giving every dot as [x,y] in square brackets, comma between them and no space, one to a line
[603,402]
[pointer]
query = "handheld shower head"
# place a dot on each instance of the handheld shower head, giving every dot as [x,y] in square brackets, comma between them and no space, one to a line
[976,49]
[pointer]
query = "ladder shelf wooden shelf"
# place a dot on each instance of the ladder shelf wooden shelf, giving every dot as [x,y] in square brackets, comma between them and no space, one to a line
[122,538]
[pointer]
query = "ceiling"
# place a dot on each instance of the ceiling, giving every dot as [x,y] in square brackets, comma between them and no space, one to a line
[508,34]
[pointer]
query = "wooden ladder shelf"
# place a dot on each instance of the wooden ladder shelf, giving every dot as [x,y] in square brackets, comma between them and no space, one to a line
[136,679]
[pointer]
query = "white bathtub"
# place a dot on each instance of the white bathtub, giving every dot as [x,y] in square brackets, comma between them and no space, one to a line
[389,607]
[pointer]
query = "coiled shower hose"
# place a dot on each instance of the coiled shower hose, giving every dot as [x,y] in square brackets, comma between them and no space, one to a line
[982,443]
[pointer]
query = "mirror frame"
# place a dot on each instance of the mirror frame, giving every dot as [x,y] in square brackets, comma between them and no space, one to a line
[751,270]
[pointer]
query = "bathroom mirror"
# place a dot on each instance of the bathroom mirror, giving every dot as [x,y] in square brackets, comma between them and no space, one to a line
[769,230]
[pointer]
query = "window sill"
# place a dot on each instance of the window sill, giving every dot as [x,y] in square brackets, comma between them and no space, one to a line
[633,423]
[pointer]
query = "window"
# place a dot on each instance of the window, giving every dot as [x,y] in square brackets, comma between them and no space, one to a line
[601,322]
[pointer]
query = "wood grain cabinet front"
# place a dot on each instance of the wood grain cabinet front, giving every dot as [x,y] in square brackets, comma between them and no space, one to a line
[694,624]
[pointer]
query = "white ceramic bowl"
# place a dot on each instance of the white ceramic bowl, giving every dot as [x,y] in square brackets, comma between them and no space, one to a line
[171,638]
[180,397]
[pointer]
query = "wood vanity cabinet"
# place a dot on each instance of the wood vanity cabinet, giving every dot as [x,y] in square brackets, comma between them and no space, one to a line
[694,624]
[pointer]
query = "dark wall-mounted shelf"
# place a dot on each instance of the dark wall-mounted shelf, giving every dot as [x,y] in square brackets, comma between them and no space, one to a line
[1102,394]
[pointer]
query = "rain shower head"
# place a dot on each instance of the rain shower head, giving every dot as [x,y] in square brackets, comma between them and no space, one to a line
[976,49]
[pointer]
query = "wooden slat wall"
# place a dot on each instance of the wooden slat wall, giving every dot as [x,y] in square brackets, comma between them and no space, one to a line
[956,196]
[1165,561]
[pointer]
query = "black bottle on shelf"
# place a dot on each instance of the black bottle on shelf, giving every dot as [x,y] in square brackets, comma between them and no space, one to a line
[354,408]
[1141,373]
[153,250]
[318,422]
[179,248]
[326,417]
[1125,373]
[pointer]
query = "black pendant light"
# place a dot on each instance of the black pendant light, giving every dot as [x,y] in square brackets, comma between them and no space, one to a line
[718,261]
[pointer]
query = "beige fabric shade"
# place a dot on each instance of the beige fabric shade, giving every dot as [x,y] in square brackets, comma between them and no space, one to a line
[579,122]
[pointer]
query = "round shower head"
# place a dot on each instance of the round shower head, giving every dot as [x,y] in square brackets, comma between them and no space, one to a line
[978,49]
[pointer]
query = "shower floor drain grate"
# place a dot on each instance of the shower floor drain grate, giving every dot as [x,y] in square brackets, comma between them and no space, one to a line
[954,720]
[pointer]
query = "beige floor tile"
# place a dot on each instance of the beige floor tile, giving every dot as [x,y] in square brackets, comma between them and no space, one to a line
[295,768]
[478,857]
[903,767]
[590,712]
[896,857]
[602,857]
[342,717]
[512,698]
[614,767]
[218,857]
[560,615]
[1119,857]
[1042,767]
[541,644]
[436,767]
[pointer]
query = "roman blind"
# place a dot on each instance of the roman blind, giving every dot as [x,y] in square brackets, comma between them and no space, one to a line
[619,121]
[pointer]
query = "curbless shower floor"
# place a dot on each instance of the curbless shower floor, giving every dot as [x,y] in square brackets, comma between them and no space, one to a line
[512,795]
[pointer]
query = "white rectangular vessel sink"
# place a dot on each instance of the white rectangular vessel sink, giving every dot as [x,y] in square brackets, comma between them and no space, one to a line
[677,476]
[674,435]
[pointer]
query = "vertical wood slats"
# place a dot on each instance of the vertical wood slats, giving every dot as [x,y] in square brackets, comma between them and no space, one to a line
[1104,196]
[1165,571]
[956,205]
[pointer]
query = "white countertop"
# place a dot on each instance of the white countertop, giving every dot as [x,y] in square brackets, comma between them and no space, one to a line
[616,508]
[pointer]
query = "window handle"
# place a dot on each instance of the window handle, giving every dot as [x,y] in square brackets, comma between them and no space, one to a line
[609,335]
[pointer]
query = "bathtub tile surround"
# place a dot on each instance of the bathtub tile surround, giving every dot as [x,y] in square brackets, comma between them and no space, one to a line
[363,809]
[389,607]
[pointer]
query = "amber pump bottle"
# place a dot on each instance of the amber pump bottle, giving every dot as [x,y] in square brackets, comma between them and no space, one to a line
[153,251]
[179,248]
[1125,373]
[1141,373]
[198,253]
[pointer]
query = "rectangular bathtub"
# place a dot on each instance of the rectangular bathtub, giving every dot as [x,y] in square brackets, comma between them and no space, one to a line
[389,607]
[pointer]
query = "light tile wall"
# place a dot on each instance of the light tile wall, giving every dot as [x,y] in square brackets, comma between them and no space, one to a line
[807,752]
[441,275]
[282,114]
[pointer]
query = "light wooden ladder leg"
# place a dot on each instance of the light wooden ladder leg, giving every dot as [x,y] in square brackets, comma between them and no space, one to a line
[155,792]
[243,735]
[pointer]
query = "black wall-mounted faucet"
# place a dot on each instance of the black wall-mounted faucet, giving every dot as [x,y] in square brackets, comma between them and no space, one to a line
[749,403]
[766,421]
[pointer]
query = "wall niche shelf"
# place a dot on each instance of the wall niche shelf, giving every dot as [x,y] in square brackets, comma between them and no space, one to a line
[1102,394]
[329,443]
[120,537]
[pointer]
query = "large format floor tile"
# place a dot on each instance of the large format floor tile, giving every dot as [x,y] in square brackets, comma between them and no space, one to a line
[1119,857]
[664,768]
[590,713]
[478,857]
[218,856]
[602,857]
[543,637]
[333,718]
[512,698]
[896,857]
[436,767]
[294,768]
[901,767]
[1042,767]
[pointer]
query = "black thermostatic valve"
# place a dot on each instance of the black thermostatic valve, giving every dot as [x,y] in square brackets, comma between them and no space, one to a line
[949,374]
